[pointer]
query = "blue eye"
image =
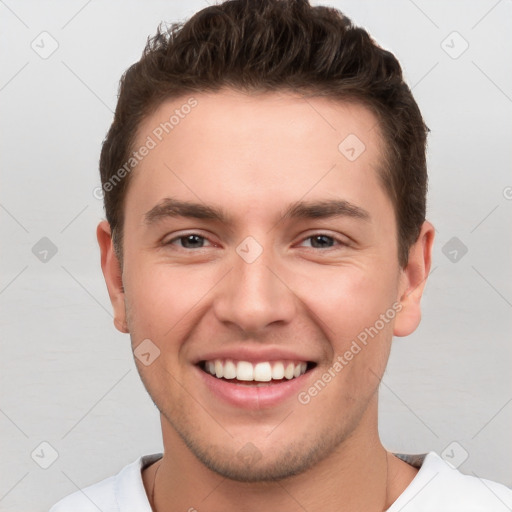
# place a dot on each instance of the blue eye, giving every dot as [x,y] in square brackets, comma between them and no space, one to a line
[322,241]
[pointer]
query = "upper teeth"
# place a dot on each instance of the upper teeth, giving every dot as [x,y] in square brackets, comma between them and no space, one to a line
[261,372]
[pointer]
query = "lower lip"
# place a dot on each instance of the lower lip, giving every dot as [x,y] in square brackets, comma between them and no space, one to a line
[253,396]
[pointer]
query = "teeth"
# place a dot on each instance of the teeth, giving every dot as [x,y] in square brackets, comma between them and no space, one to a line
[289,371]
[278,371]
[219,373]
[244,370]
[263,372]
[259,372]
[229,370]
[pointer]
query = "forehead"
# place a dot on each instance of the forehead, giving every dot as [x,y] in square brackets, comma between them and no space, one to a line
[277,145]
[248,117]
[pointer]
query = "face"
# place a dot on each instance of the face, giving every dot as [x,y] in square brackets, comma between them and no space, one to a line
[260,261]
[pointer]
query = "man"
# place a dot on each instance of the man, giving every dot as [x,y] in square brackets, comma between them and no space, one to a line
[265,182]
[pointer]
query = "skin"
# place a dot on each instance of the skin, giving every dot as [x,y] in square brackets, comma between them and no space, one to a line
[253,155]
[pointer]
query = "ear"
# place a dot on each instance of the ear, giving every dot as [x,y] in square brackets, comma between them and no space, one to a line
[412,281]
[112,273]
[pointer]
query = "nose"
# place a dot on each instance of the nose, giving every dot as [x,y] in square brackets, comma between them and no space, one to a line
[256,294]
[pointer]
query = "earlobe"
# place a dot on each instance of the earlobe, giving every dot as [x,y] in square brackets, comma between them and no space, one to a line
[413,279]
[112,273]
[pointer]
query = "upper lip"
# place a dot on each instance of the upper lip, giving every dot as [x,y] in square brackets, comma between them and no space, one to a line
[254,355]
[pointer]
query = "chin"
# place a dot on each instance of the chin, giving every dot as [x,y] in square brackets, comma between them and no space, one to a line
[257,466]
[270,464]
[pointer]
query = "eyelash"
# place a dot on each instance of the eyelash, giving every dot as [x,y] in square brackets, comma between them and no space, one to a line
[341,243]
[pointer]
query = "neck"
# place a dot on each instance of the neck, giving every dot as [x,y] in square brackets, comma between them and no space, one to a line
[358,475]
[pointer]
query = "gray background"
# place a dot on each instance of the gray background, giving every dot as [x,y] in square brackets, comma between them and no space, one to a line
[68,377]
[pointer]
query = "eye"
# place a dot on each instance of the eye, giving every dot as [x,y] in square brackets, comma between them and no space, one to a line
[188,241]
[196,241]
[323,241]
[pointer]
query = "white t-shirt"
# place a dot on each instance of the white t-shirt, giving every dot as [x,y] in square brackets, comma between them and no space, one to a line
[437,487]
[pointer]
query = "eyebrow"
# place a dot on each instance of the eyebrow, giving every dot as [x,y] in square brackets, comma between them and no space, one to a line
[171,208]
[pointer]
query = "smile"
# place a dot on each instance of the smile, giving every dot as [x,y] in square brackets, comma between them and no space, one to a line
[264,371]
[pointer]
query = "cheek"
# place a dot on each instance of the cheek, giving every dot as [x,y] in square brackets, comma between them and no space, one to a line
[160,298]
[349,313]
[348,300]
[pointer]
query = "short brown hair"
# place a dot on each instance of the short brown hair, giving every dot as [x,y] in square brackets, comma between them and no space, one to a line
[270,45]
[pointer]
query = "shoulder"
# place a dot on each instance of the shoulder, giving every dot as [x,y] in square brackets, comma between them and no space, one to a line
[112,494]
[100,496]
[439,486]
